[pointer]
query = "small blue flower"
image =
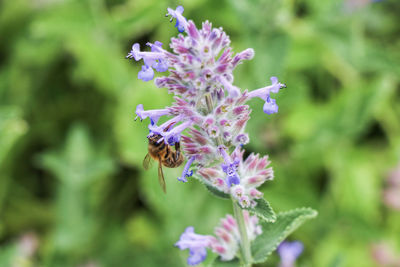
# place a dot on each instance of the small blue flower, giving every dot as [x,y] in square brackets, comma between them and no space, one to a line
[165,127]
[154,114]
[232,176]
[181,22]
[233,91]
[196,244]
[289,252]
[229,168]
[160,65]
[173,136]
[146,74]
[170,135]
[134,53]
[270,106]
[154,59]
[186,172]
[156,47]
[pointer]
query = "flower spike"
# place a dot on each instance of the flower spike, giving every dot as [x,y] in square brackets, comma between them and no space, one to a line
[207,124]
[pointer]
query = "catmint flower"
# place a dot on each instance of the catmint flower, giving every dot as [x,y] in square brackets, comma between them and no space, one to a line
[154,59]
[289,252]
[160,64]
[225,242]
[146,74]
[229,168]
[391,194]
[209,114]
[270,105]
[196,244]
[186,172]
[181,23]
[253,172]
[154,115]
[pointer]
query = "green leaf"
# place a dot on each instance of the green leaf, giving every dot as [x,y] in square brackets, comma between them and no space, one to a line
[217,192]
[219,263]
[274,233]
[263,210]
[12,127]
[79,162]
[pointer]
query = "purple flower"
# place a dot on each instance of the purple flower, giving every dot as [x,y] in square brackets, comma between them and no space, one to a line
[148,57]
[186,172]
[233,91]
[289,252]
[146,74]
[170,134]
[210,114]
[244,55]
[270,105]
[227,235]
[160,64]
[154,114]
[181,23]
[229,168]
[154,59]
[134,53]
[174,135]
[196,244]
[253,172]
[242,139]
[226,240]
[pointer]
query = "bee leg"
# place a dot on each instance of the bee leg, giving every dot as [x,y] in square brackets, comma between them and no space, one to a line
[178,150]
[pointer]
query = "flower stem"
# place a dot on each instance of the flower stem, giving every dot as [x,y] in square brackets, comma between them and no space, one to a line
[244,240]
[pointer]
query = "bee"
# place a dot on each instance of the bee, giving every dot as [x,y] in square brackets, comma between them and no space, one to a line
[164,154]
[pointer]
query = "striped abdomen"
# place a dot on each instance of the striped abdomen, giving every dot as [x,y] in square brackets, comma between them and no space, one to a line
[164,153]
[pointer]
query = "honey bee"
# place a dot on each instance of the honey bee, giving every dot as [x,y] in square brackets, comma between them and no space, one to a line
[164,154]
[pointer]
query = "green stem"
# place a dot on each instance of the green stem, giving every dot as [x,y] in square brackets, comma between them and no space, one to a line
[244,240]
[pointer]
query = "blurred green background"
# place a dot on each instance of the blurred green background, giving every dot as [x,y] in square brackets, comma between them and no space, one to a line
[72,188]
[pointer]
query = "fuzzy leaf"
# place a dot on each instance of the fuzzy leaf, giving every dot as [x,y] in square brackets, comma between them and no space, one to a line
[263,210]
[274,233]
[219,263]
[216,192]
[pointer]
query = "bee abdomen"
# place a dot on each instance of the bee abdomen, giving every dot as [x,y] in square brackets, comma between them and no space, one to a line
[170,160]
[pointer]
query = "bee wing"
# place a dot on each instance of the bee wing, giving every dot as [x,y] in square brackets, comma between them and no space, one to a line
[161,179]
[147,162]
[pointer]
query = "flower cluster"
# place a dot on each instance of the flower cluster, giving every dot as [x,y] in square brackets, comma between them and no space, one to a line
[209,106]
[208,117]
[252,173]
[225,242]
